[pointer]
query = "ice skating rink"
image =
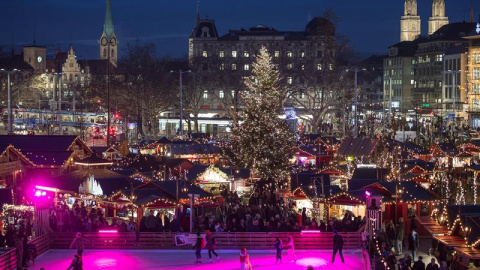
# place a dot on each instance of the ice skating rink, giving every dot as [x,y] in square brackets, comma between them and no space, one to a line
[184,259]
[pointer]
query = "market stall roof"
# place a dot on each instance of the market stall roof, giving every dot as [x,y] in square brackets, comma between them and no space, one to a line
[313,192]
[347,198]
[305,179]
[369,174]
[108,180]
[93,160]
[356,184]
[469,252]
[444,149]
[415,149]
[415,177]
[450,240]
[197,169]
[164,140]
[169,186]
[411,191]
[357,147]
[473,223]
[194,148]
[428,166]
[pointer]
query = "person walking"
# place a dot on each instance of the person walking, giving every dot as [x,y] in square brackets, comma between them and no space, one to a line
[400,236]
[278,247]
[291,249]
[413,243]
[432,265]
[244,260]
[391,234]
[77,263]
[337,246]
[78,243]
[199,244]
[419,265]
[211,245]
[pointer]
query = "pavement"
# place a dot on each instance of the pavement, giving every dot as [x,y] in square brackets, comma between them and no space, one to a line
[184,259]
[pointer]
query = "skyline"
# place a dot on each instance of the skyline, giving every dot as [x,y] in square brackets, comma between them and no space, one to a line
[169,23]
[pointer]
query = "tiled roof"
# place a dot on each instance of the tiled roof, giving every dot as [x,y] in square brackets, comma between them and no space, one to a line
[109,181]
[449,149]
[192,148]
[429,166]
[317,191]
[170,186]
[369,174]
[357,147]
[48,158]
[15,62]
[411,191]
[98,67]
[47,143]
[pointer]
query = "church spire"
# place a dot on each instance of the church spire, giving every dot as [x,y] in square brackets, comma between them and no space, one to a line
[410,22]
[108,25]
[197,19]
[438,18]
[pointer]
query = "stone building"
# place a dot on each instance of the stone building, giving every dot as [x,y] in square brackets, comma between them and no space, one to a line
[410,27]
[302,57]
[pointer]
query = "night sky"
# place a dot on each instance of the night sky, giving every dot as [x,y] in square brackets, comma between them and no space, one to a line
[371,25]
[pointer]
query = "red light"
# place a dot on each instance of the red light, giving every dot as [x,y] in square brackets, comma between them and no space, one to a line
[99,100]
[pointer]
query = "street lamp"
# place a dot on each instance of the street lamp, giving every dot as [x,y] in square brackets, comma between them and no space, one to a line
[355,100]
[180,72]
[9,90]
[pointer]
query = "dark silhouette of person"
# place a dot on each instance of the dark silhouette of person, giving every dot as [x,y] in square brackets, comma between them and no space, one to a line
[337,246]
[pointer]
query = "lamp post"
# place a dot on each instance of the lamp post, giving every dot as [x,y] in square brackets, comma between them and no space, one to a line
[180,72]
[355,101]
[313,187]
[9,91]
[109,41]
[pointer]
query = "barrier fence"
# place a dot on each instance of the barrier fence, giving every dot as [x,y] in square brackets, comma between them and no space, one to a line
[225,240]
[8,259]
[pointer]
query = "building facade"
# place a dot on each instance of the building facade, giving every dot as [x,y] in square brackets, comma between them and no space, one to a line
[410,27]
[438,18]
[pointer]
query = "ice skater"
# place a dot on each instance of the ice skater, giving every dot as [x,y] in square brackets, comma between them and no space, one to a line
[244,260]
[337,246]
[79,243]
[291,249]
[278,247]
[199,244]
[211,245]
[77,263]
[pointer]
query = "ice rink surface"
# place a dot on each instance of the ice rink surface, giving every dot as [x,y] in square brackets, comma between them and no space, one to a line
[184,259]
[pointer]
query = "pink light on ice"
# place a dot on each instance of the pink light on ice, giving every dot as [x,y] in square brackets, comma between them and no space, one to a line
[312,261]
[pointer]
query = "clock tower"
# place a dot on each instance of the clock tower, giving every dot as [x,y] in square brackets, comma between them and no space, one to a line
[410,22]
[35,57]
[438,18]
[108,41]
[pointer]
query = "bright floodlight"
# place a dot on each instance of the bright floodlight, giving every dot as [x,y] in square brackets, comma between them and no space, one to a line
[367,193]
[38,193]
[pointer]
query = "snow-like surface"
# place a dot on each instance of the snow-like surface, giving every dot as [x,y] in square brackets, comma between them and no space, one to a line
[184,259]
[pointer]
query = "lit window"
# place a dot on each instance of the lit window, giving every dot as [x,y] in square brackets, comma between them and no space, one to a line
[221,94]
[234,53]
[289,80]
[246,54]
[319,67]
[205,94]
[277,54]
[246,67]
[234,66]
[302,54]
[303,67]
[222,66]
[302,95]
[221,54]
[204,54]
[289,66]
[289,54]
[330,66]
[233,93]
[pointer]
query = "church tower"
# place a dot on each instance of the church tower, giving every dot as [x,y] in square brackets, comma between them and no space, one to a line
[108,40]
[438,18]
[410,22]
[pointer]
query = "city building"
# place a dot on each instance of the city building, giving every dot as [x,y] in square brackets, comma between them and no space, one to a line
[219,62]
[473,76]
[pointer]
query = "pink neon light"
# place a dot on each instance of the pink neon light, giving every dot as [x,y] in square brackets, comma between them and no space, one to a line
[38,193]
[107,231]
[310,231]
[367,193]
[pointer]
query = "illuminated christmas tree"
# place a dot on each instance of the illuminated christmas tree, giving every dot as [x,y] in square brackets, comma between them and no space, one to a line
[262,141]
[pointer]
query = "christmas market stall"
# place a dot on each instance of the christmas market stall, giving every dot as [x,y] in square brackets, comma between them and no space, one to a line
[314,198]
[445,153]
[346,202]
[213,179]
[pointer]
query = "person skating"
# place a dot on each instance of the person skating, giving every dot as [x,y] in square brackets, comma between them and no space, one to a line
[278,247]
[337,246]
[79,243]
[291,249]
[244,260]
[199,244]
[211,245]
[77,263]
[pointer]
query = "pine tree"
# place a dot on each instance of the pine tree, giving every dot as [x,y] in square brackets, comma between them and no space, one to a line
[261,140]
